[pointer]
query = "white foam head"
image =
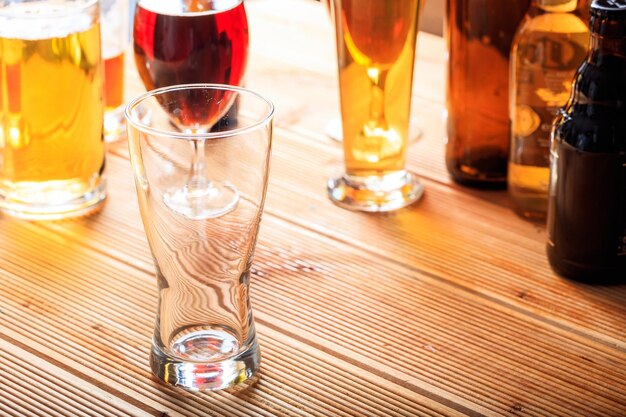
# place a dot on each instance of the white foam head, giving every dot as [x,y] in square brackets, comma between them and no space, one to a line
[46,19]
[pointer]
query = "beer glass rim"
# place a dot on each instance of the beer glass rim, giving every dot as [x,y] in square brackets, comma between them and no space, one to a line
[142,127]
[76,7]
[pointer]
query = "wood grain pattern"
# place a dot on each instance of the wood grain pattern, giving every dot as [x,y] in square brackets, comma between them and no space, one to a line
[447,308]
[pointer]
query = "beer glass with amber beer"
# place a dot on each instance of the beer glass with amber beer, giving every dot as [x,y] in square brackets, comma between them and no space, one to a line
[51,108]
[376,55]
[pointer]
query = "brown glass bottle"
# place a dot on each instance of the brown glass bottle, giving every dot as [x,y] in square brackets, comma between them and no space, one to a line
[587,198]
[479,34]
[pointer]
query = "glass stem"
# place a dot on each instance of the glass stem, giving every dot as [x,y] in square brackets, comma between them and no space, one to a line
[377,103]
[198,184]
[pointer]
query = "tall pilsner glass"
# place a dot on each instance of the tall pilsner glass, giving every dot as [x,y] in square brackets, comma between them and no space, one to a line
[376,55]
[51,109]
[204,336]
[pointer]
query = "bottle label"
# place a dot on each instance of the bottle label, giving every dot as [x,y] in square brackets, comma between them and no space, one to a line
[545,67]
[542,92]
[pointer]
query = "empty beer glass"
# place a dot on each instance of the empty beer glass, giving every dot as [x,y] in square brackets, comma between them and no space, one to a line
[51,108]
[376,55]
[204,336]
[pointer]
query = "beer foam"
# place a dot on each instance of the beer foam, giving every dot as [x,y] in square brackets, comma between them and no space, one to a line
[179,7]
[36,20]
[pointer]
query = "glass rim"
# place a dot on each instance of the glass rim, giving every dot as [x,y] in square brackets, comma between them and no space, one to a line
[191,136]
[75,7]
[213,10]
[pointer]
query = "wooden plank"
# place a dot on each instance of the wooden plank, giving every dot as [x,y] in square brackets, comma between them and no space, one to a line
[328,295]
[62,314]
[445,308]
[53,391]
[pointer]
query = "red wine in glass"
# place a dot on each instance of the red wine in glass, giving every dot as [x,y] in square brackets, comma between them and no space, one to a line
[191,41]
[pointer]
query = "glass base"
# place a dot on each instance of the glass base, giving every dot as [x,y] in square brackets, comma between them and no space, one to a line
[375,193]
[60,208]
[114,125]
[206,359]
[214,200]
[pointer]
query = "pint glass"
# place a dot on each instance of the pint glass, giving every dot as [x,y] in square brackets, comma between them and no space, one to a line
[376,55]
[204,337]
[51,108]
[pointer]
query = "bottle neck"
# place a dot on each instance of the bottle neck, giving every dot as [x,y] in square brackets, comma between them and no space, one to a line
[600,46]
[557,6]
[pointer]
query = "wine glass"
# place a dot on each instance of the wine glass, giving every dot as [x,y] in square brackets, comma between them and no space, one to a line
[333,127]
[114,37]
[194,41]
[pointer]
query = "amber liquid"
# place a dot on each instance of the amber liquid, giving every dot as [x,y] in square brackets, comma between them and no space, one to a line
[376,55]
[479,35]
[114,81]
[51,113]
[547,51]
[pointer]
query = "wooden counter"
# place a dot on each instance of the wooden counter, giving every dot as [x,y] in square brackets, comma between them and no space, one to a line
[445,308]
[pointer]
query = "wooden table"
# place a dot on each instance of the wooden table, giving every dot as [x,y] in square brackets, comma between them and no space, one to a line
[445,308]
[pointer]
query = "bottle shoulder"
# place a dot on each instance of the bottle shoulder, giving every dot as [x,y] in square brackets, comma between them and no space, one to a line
[600,81]
[594,118]
[590,127]
[552,22]
[560,50]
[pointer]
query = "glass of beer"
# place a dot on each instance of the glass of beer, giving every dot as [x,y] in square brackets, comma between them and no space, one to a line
[376,55]
[204,337]
[51,108]
[114,27]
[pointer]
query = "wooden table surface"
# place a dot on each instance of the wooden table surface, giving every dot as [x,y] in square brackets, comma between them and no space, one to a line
[445,308]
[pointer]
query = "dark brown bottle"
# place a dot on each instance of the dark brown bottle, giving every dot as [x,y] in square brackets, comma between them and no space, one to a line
[479,35]
[587,199]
